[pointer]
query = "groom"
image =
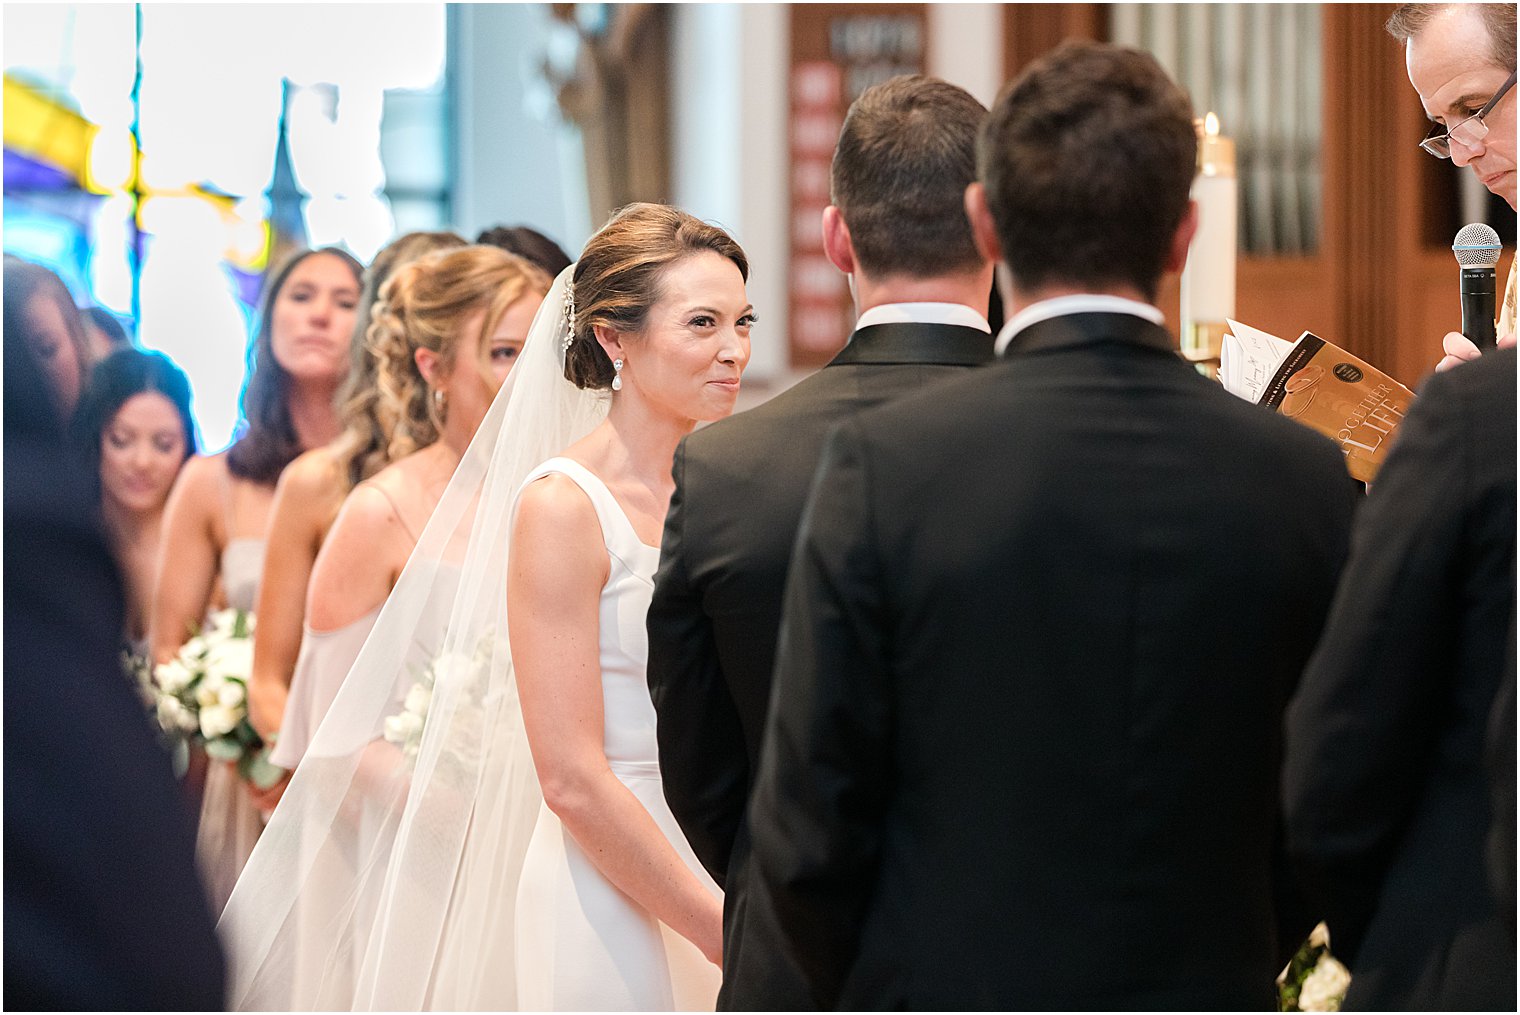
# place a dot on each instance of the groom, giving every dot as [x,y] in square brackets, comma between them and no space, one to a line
[1041,622]
[898,228]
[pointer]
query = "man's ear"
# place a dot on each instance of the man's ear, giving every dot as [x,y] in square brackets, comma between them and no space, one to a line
[983,228]
[610,339]
[1182,239]
[427,364]
[837,245]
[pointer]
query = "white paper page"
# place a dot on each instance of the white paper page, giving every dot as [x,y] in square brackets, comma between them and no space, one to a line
[1249,358]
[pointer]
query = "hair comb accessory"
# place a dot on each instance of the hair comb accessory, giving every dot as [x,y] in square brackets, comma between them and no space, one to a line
[569,316]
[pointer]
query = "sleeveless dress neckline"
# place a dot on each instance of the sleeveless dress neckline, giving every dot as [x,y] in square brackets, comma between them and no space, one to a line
[580,943]
[578,471]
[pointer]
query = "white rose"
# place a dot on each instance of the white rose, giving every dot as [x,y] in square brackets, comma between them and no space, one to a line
[453,668]
[218,721]
[191,651]
[231,659]
[418,699]
[209,691]
[172,677]
[222,621]
[1325,987]
[395,731]
[231,694]
[170,713]
[404,730]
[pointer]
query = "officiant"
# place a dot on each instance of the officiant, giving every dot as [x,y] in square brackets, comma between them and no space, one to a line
[1461,61]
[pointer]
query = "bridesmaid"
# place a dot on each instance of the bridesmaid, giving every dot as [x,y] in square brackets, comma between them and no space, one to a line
[445,334]
[134,427]
[309,493]
[54,331]
[214,525]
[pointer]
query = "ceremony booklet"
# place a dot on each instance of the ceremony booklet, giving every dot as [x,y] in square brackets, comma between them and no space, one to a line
[1320,385]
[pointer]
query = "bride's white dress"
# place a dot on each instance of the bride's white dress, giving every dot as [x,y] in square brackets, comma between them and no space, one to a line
[433,877]
[582,944]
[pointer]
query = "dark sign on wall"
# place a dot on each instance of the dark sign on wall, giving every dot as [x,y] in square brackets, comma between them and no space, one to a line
[838,51]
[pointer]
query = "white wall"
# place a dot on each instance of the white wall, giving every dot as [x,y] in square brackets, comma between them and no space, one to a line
[510,166]
[729,67]
[966,47]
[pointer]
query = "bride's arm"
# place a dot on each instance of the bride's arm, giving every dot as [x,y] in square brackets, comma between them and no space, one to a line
[558,565]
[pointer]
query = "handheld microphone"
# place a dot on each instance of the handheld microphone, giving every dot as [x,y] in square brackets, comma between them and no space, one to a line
[1477,251]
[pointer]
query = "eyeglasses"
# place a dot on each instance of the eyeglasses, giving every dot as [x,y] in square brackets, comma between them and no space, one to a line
[1470,131]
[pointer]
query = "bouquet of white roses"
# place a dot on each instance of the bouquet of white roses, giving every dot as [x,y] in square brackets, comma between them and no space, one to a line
[203,696]
[449,669]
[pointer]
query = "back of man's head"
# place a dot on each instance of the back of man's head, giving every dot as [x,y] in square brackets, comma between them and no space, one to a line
[905,156]
[1087,161]
[1409,20]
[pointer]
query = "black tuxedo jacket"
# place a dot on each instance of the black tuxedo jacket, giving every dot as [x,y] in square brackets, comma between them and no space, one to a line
[1040,628]
[1389,799]
[740,484]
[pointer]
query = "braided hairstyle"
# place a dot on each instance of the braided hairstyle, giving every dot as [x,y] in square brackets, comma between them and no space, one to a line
[367,418]
[617,279]
[423,306]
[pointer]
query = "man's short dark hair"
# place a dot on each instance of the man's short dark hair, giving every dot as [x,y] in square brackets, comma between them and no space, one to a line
[906,153]
[1087,160]
[1409,20]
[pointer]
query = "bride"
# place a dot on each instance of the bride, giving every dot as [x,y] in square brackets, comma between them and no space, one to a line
[485,829]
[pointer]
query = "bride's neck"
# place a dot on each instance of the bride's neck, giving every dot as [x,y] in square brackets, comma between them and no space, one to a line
[647,438]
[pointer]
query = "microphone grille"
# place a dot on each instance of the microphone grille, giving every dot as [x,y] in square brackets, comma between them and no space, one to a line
[1476,246]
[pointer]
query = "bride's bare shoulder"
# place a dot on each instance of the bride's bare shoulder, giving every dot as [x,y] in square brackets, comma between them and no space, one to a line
[555,502]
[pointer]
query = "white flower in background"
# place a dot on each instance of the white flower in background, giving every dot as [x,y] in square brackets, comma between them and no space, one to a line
[418,699]
[174,717]
[232,694]
[223,623]
[191,651]
[405,730]
[457,672]
[1325,988]
[451,669]
[218,721]
[209,691]
[172,677]
[231,658]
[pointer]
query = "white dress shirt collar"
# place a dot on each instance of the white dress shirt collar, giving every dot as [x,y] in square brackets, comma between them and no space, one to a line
[924,313]
[1082,303]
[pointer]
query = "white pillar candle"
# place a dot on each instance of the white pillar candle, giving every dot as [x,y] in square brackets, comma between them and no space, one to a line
[1208,280]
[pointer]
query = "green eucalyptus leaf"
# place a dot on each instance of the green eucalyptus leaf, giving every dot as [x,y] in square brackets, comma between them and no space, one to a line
[224,749]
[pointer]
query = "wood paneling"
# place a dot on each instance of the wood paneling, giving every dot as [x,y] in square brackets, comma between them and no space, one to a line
[1032,30]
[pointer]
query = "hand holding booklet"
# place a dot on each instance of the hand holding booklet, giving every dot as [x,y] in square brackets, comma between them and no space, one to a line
[1320,385]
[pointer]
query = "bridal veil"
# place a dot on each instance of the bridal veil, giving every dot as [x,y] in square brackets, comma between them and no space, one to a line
[387,877]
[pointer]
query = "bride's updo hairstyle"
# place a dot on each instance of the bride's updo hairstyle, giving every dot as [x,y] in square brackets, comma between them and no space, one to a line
[423,306]
[618,276]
